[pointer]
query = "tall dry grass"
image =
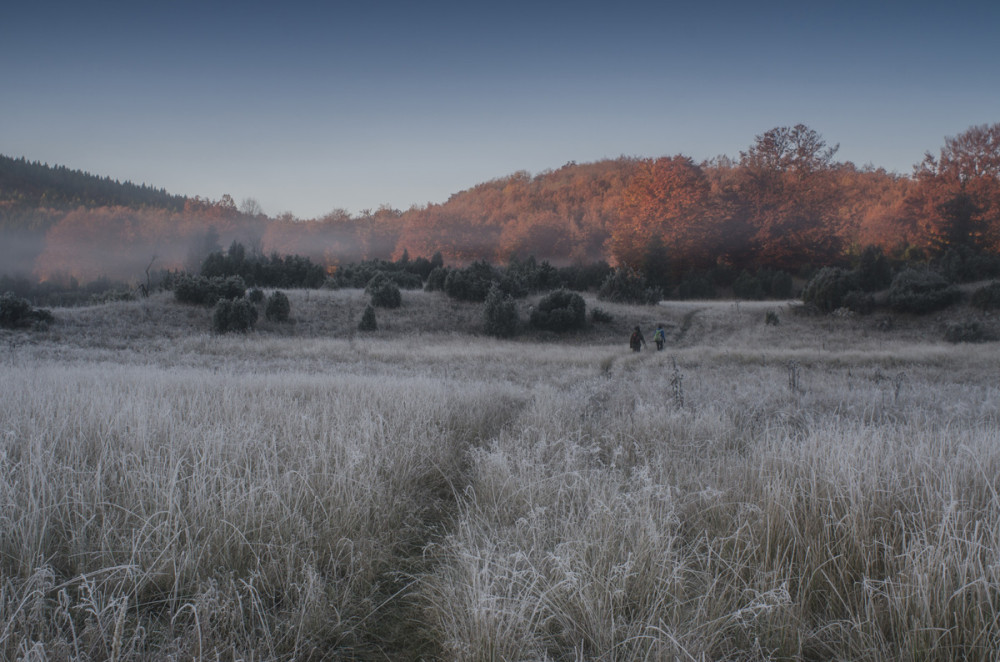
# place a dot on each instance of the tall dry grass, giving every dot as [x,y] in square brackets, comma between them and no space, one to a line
[282,497]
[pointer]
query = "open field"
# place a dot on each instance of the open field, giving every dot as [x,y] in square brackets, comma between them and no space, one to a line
[824,489]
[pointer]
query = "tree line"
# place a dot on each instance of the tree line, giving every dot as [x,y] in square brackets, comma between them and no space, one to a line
[785,204]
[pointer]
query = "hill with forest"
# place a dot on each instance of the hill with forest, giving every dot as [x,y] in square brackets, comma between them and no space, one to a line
[29,184]
[785,203]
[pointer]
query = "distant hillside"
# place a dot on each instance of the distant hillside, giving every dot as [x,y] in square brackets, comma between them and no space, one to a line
[786,204]
[29,184]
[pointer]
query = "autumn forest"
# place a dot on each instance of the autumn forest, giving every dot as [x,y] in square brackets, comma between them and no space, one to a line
[784,203]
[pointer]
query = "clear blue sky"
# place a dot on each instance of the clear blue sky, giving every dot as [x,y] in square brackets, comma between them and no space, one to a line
[312,106]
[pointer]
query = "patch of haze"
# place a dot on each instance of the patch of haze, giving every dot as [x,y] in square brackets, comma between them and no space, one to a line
[18,251]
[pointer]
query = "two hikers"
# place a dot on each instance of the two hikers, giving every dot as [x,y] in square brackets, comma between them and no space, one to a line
[636,340]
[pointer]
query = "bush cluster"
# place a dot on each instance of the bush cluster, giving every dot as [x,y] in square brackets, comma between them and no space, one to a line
[500,318]
[965,331]
[874,271]
[529,276]
[696,286]
[963,264]
[407,274]
[360,274]
[234,316]
[921,291]
[561,310]
[828,288]
[626,285]
[583,277]
[765,284]
[384,292]
[912,290]
[987,297]
[270,271]
[859,302]
[204,291]
[69,291]
[278,307]
[16,312]
[473,282]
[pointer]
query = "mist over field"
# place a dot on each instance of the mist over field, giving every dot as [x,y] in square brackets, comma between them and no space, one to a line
[786,203]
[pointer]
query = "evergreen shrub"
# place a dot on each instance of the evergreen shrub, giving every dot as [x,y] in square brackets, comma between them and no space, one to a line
[874,271]
[626,285]
[858,302]
[561,310]
[696,286]
[965,331]
[921,291]
[205,291]
[747,286]
[436,279]
[500,318]
[16,312]
[987,297]
[278,307]
[472,283]
[600,316]
[827,289]
[233,316]
[368,321]
[384,292]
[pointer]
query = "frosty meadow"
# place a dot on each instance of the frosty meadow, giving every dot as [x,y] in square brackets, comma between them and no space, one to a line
[824,488]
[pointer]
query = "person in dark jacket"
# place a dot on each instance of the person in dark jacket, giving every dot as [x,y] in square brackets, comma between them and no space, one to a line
[636,341]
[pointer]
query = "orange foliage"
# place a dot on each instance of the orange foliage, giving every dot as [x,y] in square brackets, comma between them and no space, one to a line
[786,203]
[666,199]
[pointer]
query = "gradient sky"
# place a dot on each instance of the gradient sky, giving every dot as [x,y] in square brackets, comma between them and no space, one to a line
[313,106]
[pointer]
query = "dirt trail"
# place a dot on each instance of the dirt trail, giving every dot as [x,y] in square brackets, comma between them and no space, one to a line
[686,322]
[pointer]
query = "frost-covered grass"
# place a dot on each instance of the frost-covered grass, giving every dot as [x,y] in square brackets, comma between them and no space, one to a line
[813,491]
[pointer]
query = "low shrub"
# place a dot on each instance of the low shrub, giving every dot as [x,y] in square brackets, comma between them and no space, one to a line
[747,286]
[582,277]
[255,295]
[874,271]
[16,312]
[696,286]
[987,297]
[921,291]
[436,279]
[626,285]
[368,321]
[965,331]
[600,316]
[234,316]
[384,292]
[472,283]
[204,291]
[859,302]
[559,311]
[278,307]
[771,318]
[827,289]
[500,318]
